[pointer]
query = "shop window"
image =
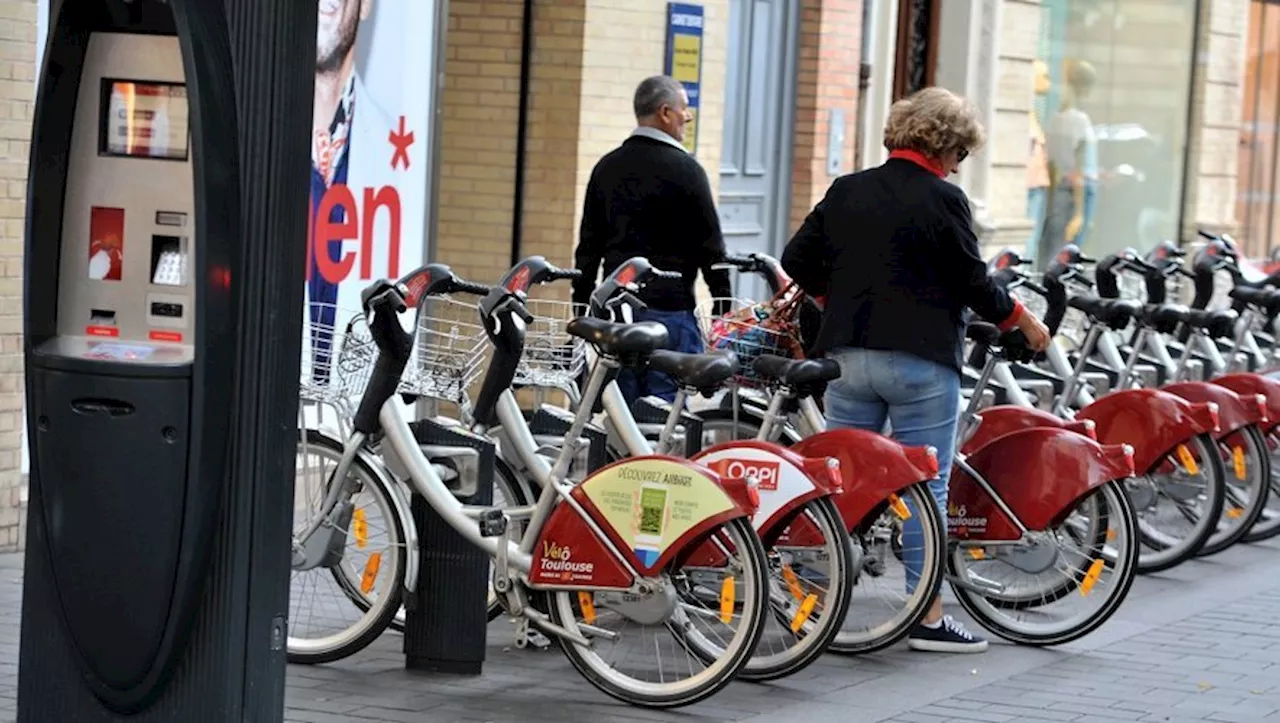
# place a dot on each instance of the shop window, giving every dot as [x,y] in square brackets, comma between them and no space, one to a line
[1256,195]
[1108,130]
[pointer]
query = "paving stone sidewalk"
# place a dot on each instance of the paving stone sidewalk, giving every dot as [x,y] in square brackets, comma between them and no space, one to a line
[1198,643]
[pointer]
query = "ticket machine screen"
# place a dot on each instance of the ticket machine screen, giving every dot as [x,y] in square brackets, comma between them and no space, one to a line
[146,120]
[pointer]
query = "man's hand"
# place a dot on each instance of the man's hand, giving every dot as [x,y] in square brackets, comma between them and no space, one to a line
[1037,333]
[1074,226]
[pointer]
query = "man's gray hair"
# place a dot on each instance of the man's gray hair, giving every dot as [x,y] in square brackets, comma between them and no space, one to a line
[655,92]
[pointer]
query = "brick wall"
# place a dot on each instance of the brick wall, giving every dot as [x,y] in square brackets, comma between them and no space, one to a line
[827,78]
[17,88]
[588,56]
[478,137]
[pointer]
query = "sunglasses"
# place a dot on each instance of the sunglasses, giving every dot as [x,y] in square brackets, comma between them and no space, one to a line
[963,154]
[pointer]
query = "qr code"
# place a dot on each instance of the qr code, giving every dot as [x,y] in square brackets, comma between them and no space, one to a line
[651,520]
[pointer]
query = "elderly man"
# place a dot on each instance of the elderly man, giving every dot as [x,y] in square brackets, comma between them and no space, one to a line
[650,198]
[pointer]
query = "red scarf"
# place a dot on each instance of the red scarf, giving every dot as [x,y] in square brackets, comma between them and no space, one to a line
[920,160]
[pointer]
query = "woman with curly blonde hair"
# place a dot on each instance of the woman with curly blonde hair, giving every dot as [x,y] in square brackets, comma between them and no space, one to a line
[893,252]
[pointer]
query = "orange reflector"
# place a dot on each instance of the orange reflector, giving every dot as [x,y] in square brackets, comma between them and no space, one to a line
[360,527]
[977,553]
[370,572]
[1091,577]
[793,582]
[588,606]
[1234,513]
[1237,459]
[806,609]
[1184,456]
[727,598]
[1111,535]
[899,507]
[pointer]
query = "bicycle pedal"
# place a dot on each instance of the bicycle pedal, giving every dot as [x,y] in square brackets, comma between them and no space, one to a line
[493,523]
[873,566]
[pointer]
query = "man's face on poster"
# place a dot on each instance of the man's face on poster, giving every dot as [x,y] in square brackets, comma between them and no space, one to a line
[339,21]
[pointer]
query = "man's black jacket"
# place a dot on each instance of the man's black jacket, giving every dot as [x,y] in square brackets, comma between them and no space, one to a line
[650,198]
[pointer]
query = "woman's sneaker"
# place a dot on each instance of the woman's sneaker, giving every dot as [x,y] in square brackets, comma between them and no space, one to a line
[947,636]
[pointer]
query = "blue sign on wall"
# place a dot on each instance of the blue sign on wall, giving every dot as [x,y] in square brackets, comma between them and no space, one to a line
[684,59]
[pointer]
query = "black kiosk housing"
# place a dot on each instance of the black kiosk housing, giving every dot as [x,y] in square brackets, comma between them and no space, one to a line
[156,578]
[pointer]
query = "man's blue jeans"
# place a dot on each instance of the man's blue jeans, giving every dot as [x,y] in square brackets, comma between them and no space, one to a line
[921,401]
[683,335]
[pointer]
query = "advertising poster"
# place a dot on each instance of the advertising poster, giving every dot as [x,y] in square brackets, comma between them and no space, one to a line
[370,164]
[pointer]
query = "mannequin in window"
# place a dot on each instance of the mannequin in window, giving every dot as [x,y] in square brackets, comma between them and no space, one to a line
[1037,166]
[1072,146]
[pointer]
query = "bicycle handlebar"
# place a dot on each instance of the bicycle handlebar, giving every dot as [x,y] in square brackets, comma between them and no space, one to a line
[468,287]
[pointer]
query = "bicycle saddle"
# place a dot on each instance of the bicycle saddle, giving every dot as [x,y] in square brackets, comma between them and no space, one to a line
[1114,313]
[1163,318]
[1218,323]
[796,372]
[642,337]
[704,372]
[1262,298]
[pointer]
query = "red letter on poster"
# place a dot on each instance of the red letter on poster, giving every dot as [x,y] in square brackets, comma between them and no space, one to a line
[389,197]
[327,230]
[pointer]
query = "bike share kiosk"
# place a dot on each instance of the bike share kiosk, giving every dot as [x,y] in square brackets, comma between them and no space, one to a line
[133,238]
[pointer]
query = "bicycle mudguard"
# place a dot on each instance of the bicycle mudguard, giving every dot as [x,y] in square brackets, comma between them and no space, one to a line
[873,467]
[785,482]
[1235,410]
[1039,473]
[1152,421]
[651,508]
[1000,420]
[1248,383]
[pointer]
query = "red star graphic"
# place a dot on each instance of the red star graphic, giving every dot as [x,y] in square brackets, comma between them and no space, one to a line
[401,141]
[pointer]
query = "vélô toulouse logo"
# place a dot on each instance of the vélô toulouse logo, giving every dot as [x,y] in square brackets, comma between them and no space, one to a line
[557,560]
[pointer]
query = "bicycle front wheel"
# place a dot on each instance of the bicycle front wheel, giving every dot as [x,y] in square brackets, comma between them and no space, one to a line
[345,592]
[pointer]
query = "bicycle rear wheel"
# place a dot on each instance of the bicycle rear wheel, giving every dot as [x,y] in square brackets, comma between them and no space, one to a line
[1101,576]
[1179,503]
[1267,525]
[1248,484]
[664,620]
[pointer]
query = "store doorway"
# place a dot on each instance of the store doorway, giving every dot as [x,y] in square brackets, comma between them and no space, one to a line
[917,46]
[755,159]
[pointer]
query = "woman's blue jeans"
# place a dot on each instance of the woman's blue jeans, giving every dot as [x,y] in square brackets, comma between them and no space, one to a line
[919,399]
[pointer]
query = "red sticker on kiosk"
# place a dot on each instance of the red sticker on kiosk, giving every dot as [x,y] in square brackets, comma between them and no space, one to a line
[106,243]
[96,330]
[172,336]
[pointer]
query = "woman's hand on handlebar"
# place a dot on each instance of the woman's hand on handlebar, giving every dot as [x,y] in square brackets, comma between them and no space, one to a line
[1038,336]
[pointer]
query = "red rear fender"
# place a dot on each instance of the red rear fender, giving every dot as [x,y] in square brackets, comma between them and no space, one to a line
[1246,383]
[872,465]
[785,481]
[1233,410]
[1151,420]
[1000,420]
[1040,473]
